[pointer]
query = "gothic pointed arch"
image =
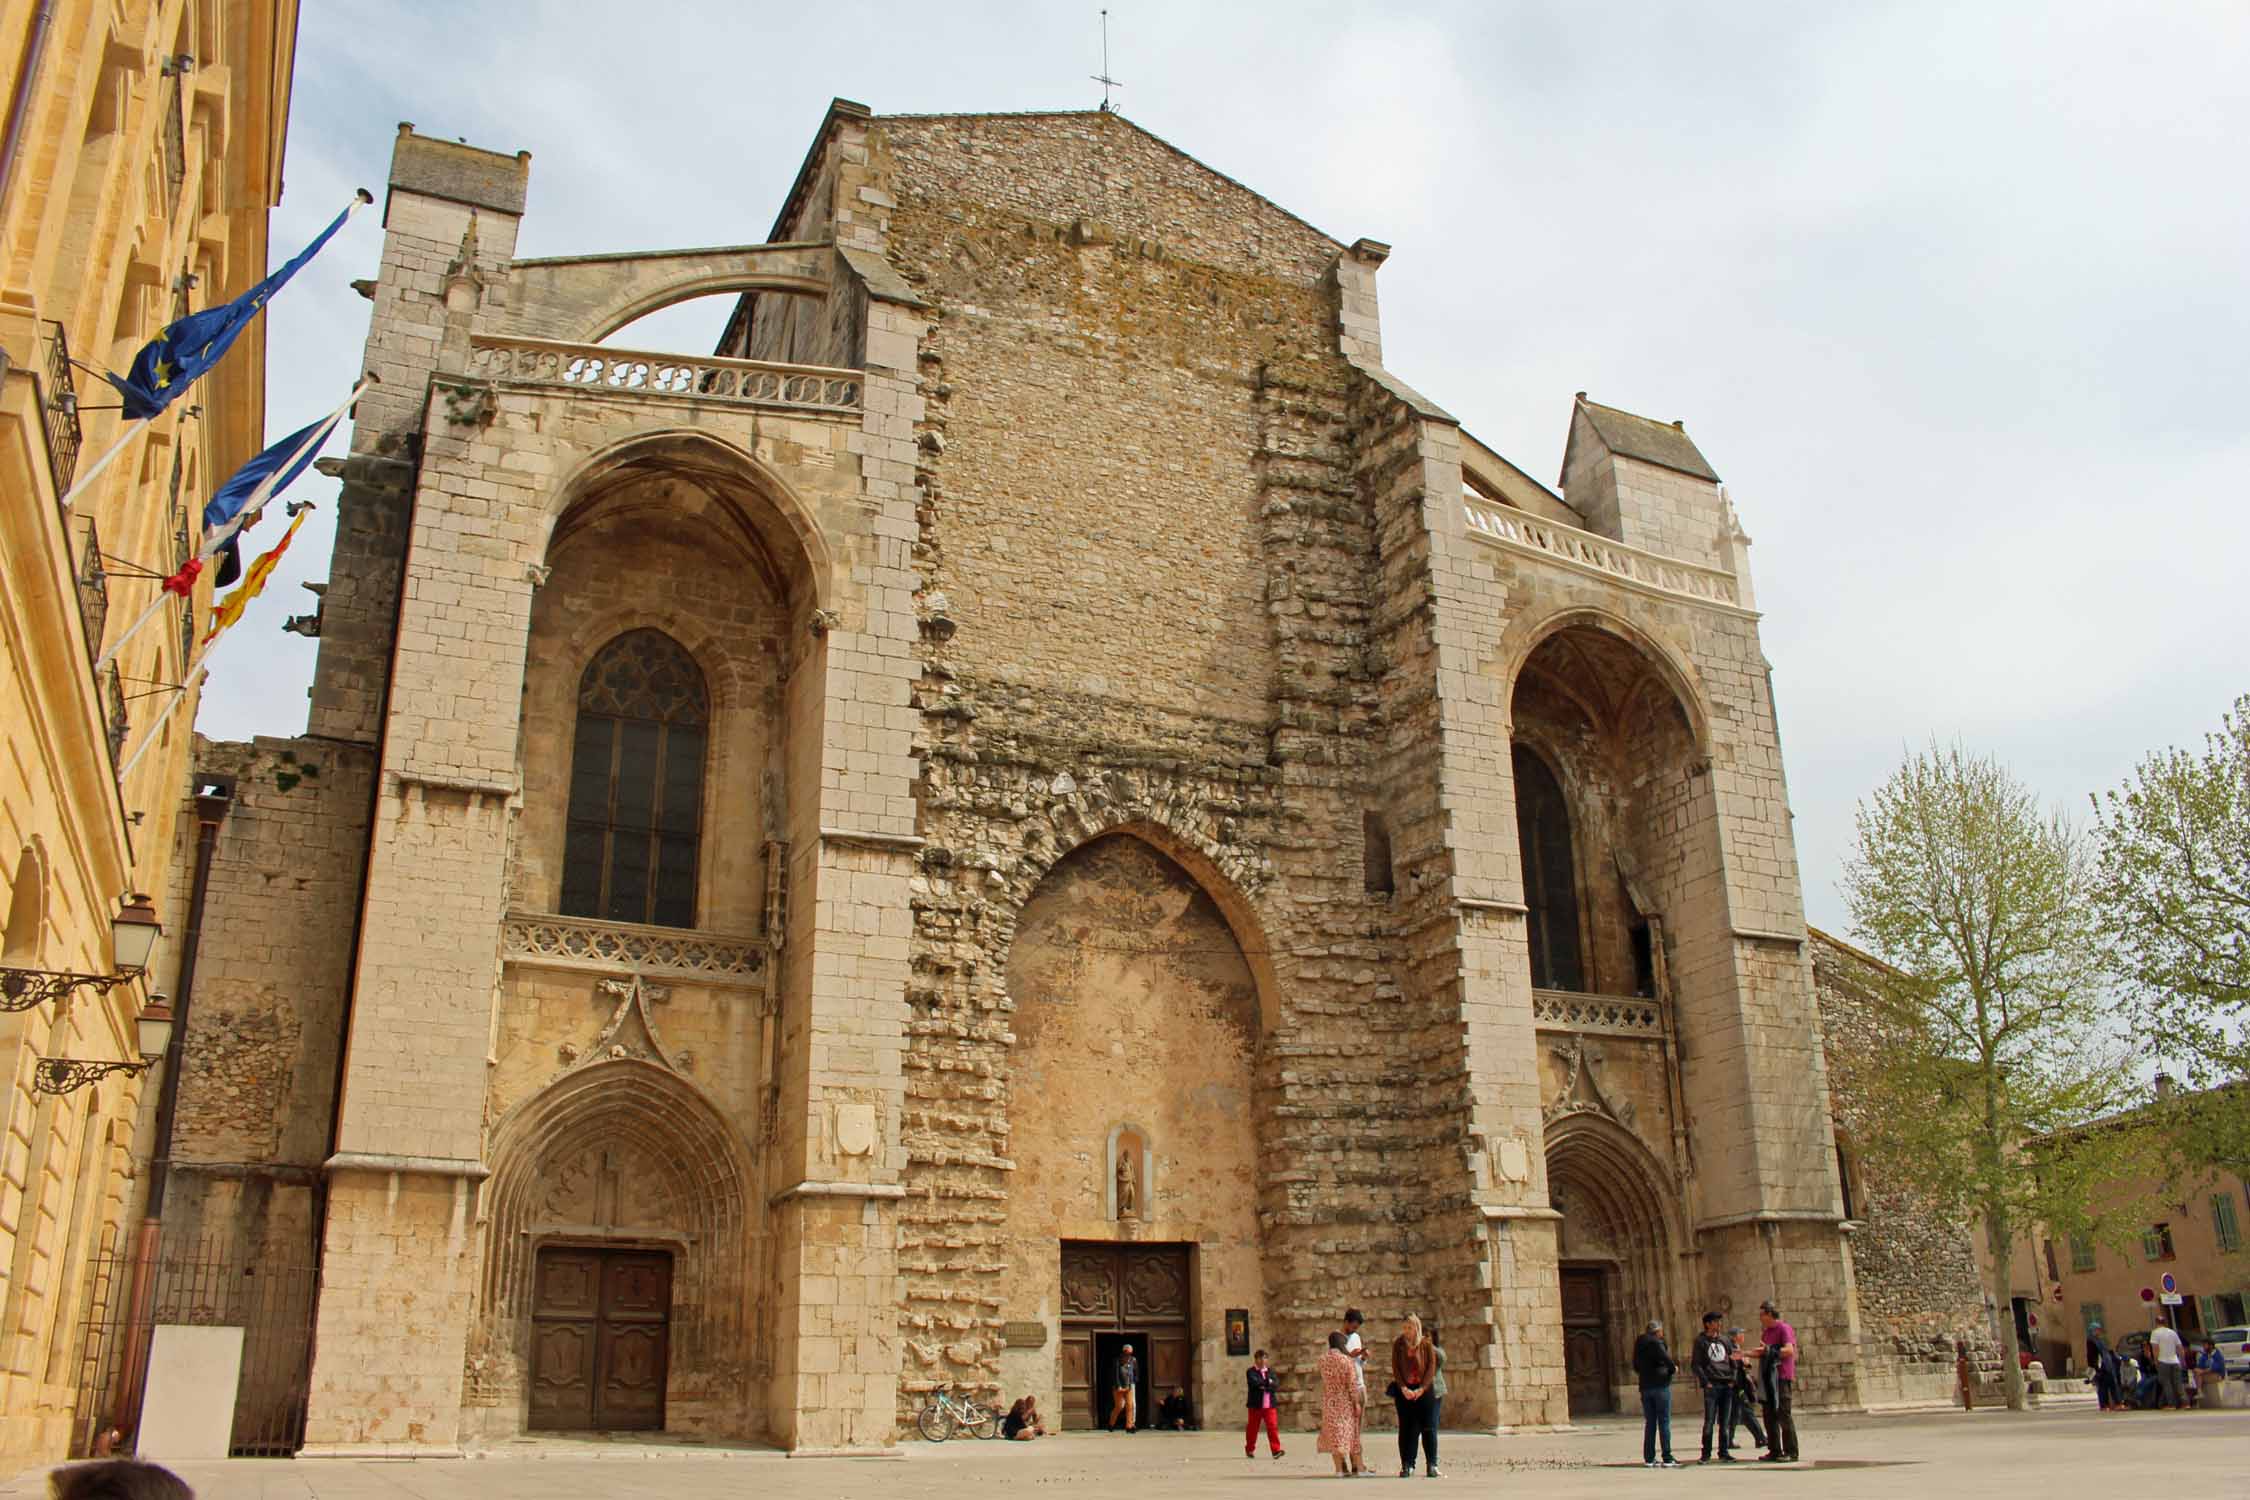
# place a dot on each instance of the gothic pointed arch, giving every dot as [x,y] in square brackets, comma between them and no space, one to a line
[626,1154]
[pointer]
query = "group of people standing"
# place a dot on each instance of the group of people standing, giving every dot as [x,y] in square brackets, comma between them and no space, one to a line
[2169,1372]
[1732,1394]
[1416,1389]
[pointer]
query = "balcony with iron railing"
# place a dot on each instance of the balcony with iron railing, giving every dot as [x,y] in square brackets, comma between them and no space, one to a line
[63,432]
[120,720]
[92,579]
[1518,531]
[173,110]
[597,370]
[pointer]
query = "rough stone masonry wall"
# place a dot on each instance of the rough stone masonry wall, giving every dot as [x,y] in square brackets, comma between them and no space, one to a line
[1917,1272]
[1145,592]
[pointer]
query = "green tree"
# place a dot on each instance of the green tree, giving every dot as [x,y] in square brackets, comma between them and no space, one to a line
[1979,902]
[2172,879]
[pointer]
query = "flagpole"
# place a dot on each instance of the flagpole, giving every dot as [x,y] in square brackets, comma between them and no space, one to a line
[87,476]
[242,518]
[133,431]
[179,696]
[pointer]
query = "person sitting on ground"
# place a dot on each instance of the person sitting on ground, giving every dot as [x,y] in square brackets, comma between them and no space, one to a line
[117,1479]
[1022,1423]
[1174,1413]
[2214,1363]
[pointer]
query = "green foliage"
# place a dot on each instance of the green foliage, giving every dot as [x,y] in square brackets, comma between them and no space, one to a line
[2172,883]
[1980,904]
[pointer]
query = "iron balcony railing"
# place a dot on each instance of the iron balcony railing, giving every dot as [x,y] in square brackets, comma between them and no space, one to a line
[93,585]
[63,431]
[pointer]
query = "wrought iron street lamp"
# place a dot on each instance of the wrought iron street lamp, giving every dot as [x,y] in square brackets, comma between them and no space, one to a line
[133,933]
[63,1075]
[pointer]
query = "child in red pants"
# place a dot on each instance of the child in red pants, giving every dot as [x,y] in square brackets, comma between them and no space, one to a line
[1265,1409]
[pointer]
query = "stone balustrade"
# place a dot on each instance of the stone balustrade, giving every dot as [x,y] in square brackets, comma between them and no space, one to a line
[555,942]
[627,372]
[1597,1015]
[1513,529]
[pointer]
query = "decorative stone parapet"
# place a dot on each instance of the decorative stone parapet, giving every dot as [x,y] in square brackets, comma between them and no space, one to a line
[1521,532]
[554,942]
[593,367]
[1596,1015]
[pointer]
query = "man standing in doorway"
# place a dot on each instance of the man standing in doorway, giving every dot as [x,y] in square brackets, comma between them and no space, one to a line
[1778,1374]
[1713,1362]
[2164,1346]
[1125,1392]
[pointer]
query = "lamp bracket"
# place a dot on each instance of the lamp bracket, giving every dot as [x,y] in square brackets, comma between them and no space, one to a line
[64,1075]
[28,989]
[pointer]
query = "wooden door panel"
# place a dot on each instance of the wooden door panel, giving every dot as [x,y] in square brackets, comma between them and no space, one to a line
[1582,1296]
[600,1339]
[1171,1362]
[1156,1285]
[1077,1358]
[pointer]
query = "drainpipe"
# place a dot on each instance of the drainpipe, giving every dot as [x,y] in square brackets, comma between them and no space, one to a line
[27,78]
[213,798]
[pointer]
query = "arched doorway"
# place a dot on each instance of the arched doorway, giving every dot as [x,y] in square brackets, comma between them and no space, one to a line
[1614,1247]
[618,1280]
[1132,1212]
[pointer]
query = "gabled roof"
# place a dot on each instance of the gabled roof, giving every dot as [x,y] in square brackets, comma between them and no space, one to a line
[1665,444]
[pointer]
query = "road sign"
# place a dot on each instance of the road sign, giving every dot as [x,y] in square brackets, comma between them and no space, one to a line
[2170,1299]
[2168,1283]
[2148,1294]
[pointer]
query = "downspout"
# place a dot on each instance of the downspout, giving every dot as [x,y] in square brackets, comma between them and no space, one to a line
[27,76]
[212,801]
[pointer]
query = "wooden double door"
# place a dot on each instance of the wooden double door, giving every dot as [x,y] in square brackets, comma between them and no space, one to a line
[1115,1294]
[1585,1331]
[600,1339]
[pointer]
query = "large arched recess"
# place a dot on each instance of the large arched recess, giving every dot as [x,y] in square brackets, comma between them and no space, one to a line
[626,1155]
[722,482]
[1138,1003]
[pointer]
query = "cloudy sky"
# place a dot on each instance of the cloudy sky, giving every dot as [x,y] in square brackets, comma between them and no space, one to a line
[1957,298]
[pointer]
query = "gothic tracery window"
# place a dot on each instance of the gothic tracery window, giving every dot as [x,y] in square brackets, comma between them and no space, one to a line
[1550,875]
[636,784]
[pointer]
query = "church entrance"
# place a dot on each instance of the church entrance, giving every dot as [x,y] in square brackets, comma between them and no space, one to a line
[601,1334]
[1117,1294]
[1586,1342]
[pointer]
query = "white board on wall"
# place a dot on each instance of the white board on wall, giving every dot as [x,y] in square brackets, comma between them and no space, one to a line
[188,1409]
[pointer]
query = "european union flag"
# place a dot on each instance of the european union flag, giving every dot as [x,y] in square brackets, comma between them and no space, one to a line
[165,369]
[236,492]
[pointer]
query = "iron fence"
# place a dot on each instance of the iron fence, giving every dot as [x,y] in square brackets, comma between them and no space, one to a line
[204,1283]
[93,585]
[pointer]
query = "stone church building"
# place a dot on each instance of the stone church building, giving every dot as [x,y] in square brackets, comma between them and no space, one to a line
[1038,798]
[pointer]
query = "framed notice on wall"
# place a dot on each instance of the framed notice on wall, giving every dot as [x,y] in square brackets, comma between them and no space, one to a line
[1238,1331]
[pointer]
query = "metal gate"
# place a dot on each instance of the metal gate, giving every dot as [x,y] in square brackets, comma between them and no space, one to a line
[211,1283]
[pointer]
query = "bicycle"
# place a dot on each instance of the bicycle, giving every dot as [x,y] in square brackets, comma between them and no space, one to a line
[947,1414]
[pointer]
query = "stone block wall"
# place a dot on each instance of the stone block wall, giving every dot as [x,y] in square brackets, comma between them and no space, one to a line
[1916,1268]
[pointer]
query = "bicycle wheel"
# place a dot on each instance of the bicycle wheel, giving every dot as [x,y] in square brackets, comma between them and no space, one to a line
[981,1421]
[935,1422]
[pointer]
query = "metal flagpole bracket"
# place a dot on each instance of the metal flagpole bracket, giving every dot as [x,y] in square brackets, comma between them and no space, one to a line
[67,1075]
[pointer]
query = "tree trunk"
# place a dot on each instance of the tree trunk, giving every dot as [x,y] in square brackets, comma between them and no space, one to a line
[2000,1244]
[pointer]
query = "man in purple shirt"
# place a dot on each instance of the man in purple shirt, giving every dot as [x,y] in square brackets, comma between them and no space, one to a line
[1777,1375]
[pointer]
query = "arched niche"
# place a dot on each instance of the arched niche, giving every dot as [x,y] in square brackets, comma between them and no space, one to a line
[25,933]
[1137,1027]
[1596,715]
[626,1155]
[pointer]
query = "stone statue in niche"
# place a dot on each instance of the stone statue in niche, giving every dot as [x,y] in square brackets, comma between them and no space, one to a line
[1128,1181]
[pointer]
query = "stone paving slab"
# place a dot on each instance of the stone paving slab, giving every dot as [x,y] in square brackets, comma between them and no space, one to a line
[2196,1453]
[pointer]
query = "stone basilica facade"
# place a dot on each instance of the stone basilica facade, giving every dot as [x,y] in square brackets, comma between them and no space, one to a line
[1038,798]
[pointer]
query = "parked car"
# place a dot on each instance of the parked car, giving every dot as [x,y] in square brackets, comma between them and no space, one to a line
[2234,1343]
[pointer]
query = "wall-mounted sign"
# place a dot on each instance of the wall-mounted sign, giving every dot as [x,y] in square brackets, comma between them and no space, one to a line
[1238,1331]
[1030,1334]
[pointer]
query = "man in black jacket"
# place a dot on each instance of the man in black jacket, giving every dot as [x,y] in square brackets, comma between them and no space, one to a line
[1653,1364]
[1713,1363]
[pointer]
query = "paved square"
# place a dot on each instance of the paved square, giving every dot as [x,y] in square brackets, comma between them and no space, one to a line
[2194,1453]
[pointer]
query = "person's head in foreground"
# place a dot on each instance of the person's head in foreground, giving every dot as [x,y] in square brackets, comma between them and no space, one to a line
[118,1479]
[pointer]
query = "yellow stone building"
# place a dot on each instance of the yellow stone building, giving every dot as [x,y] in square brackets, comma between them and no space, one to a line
[142,153]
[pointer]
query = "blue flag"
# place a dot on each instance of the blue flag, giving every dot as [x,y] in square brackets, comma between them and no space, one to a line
[162,372]
[227,503]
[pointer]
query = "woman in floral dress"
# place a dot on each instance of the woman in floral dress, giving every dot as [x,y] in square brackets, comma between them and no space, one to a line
[1341,1399]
